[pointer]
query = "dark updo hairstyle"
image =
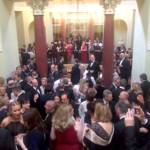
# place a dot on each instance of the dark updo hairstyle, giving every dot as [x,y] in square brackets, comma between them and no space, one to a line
[23,99]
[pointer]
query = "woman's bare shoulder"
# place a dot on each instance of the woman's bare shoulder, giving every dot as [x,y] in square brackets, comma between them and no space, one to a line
[5,121]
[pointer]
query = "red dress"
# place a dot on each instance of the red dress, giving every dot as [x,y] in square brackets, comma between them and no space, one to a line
[67,140]
[84,53]
[69,52]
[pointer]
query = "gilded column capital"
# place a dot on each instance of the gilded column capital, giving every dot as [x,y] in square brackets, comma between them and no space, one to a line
[109,5]
[37,6]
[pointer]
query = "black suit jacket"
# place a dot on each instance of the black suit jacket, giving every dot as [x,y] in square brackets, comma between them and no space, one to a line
[94,69]
[54,76]
[75,74]
[128,138]
[119,136]
[28,89]
[115,92]
[122,135]
[48,122]
[125,69]
[145,85]
[99,89]
[7,140]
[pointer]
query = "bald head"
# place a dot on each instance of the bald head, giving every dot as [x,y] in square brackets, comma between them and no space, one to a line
[122,55]
[35,82]
[50,106]
[92,57]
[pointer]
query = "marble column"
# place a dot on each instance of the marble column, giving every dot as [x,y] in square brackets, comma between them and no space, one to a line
[63,29]
[91,29]
[108,49]
[109,7]
[40,40]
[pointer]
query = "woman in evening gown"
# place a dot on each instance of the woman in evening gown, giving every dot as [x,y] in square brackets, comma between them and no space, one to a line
[63,130]
[84,52]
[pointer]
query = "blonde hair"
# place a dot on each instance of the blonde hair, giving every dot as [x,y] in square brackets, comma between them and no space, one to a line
[136,86]
[82,86]
[3,102]
[63,117]
[102,113]
[11,105]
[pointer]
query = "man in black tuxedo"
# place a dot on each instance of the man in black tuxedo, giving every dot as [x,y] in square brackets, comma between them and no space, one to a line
[145,85]
[27,86]
[50,107]
[36,94]
[108,101]
[54,74]
[125,67]
[119,134]
[75,73]
[107,97]
[114,88]
[49,110]
[24,56]
[76,48]
[93,67]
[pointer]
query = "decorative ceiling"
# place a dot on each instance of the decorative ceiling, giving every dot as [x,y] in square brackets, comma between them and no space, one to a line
[92,6]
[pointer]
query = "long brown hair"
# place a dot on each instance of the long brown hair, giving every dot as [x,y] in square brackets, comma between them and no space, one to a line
[33,119]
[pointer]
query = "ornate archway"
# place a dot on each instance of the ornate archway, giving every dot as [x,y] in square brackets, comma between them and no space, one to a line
[120,34]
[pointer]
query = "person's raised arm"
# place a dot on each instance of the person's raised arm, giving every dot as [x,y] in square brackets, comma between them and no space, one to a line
[130,139]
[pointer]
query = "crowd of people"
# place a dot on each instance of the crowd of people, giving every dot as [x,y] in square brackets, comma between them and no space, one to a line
[73,48]
[74,111]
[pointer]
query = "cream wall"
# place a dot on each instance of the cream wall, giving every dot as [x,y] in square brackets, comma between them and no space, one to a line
[128,19]
[20,28]
[147,67]
[48,26]
[141,55]
[125,12]
[9,57]
[0,39]
[120,33]
[27,20]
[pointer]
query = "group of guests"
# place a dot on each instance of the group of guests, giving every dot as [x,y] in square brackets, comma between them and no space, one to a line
[74,111]
[74,48]
[65,51]
[26,53]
